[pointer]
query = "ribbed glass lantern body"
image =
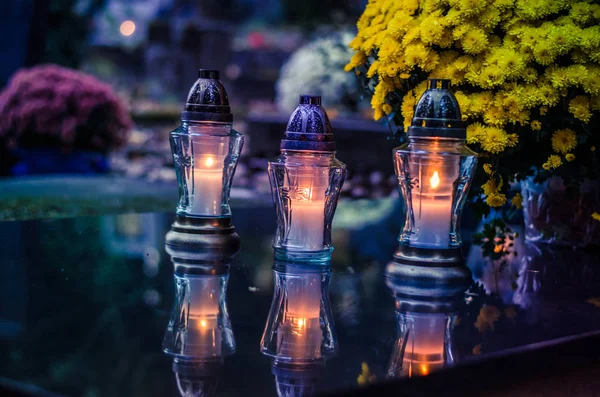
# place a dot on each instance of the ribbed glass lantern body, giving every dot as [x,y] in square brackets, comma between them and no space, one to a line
[300,327]
[305,187]
[199,328]
[434,176]
[205,157]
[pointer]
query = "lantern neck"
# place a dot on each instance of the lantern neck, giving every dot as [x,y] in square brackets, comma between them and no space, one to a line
[206,128]
[302,157]
[308,154]
[436,140]
[437,145]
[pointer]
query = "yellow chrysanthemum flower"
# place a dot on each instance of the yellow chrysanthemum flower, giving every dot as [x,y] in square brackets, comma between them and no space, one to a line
[487,168]
[407,109]
[488,315]
[495,140]
[474,41]
[563,141]
[496,200]
[491,186]
[553,161]
[581,13]
[517,201]
[373,69]
[475,133]
[495,116]
[544,53]
[366,376]
[536,125]
[359,58]
[570,157]
[596,216]
[579,107]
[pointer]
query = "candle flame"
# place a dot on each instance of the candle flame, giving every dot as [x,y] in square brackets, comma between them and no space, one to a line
[203,323]
[435,180]
[209,161]
[424,367]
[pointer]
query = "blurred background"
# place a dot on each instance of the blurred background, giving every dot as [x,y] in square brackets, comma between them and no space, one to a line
[91,89]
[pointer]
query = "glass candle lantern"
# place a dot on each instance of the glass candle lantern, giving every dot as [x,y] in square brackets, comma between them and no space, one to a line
[299,328]
[434,169]
[205,150]
[306,181]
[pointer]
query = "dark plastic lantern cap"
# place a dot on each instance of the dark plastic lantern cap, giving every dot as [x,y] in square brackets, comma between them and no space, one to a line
[207,100]
[437,113]
[308,128]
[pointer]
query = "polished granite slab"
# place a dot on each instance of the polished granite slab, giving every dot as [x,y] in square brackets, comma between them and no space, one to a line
[85,303]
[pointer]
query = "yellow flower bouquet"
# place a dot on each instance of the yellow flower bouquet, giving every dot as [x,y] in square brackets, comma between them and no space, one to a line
[526,75]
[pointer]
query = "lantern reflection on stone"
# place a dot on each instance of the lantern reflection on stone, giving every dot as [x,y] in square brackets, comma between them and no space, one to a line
[299,334]
[199,334]
[306,181]
[295,379]
[197,378]
[425,320]
[434,169]
[199,325]
[299,328]
[421,345]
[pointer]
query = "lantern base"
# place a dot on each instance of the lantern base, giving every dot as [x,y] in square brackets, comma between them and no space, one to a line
[194,242]
[427,280]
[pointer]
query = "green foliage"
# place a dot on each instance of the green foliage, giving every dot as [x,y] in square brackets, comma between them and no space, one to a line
[496,240]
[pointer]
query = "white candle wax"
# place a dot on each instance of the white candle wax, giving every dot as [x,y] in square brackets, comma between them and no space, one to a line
[307,224]
[207,195]
[433,229]
[433,212]
[307,187]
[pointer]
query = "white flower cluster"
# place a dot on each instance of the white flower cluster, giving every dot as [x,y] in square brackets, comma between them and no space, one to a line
[317,68]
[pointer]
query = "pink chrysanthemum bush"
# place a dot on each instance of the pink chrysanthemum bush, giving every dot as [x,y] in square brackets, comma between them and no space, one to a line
[49,106]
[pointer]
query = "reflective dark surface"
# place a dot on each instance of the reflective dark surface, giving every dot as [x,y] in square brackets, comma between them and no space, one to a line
[85,304]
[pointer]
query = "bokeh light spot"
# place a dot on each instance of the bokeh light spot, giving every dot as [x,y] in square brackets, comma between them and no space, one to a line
[127,28]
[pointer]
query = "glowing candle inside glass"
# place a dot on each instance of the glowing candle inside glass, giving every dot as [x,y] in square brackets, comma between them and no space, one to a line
[204,335]
[307,190]
[209,159]
[432,202]
[300,335]
[425,344]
